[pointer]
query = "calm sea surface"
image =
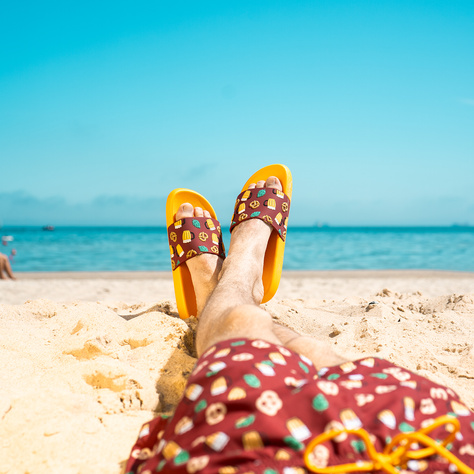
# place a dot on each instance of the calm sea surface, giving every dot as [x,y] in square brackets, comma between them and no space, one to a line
[146,248]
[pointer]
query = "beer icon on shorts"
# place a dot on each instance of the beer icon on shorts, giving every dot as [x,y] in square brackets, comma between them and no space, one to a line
[298,429]
[351,384]
[409,405]
[347,367]
[217,441]
[278,218]
[265,369]
[282,455]
[271,204]
[218,386]
[350,420]
[187,236]
[459,408]
[277,358]
[171,251]
[241,208]
[252,440]
[178,224]
[222,353]
[215,239]
[370,362]
[387,418]
[184,425]
[193,392]
[278,193]
[217,366]
[227,470]
[179,250]
[246,195]
[237,393]
[210,225]
[171,450]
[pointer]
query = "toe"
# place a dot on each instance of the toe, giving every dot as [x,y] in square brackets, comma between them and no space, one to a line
[207,214]
[185,210]
[274,182]
[261,184]
[252,186]
[198,212]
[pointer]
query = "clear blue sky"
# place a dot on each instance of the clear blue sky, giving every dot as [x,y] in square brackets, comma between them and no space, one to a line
[105,107]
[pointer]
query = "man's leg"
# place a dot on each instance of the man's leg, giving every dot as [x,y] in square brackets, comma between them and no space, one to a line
[320,353]
[205,268]
[233,311]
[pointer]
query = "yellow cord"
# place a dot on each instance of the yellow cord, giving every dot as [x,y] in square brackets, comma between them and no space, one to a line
[396,454]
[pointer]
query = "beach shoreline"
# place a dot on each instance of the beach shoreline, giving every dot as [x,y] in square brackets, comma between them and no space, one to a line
[89,357]
[149,287]
[145,275]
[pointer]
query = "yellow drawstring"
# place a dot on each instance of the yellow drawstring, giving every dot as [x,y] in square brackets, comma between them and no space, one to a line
[396,453]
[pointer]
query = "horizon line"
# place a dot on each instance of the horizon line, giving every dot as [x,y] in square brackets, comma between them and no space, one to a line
[316,226]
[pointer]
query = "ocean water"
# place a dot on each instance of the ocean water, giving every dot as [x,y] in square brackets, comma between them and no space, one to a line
[146,248]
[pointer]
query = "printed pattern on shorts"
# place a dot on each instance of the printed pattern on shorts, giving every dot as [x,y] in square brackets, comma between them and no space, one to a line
[253,407]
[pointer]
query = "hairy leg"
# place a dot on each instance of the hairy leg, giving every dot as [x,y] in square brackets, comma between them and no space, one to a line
[205,268]
[233,311]
[321,354]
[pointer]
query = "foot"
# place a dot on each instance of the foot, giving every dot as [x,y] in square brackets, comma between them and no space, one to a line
[248,245]
[205,268]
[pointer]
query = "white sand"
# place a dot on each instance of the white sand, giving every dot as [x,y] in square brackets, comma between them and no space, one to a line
[87,358]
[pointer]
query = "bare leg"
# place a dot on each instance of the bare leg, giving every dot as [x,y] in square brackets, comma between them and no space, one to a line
[321,354]
[205,268]
[5,267]
[233,311]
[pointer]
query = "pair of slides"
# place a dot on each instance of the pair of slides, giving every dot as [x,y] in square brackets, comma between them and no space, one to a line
[194,236]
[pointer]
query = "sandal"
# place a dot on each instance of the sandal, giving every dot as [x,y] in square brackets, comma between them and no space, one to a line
[188,238]
[272,206]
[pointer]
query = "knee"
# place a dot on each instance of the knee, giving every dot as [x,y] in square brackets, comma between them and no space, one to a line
[248,316]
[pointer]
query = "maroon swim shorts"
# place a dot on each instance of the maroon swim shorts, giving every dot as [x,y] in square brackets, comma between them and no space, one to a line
[253,407]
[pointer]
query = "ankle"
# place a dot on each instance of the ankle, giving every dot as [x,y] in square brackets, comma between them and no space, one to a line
[245,276]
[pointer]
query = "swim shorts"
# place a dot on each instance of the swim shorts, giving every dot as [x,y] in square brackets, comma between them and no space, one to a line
[252,407]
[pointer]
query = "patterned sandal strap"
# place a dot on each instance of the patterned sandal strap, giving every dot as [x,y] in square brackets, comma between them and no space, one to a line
[267,204]
[194,236]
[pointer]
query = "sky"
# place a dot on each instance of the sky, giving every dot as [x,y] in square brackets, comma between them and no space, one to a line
[105,107]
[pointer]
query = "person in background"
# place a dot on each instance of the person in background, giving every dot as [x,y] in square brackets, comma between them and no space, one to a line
[5,268]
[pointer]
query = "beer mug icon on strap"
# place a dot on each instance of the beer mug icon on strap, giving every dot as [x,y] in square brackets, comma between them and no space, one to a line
[209,224]
[270,203]
[247,194]
[187,236]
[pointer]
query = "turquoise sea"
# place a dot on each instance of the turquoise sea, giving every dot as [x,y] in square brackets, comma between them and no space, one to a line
[328,248]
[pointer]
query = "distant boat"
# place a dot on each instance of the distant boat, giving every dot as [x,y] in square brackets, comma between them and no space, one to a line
[48,227]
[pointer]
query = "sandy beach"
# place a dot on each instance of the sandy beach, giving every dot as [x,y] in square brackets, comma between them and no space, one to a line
[87,358]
